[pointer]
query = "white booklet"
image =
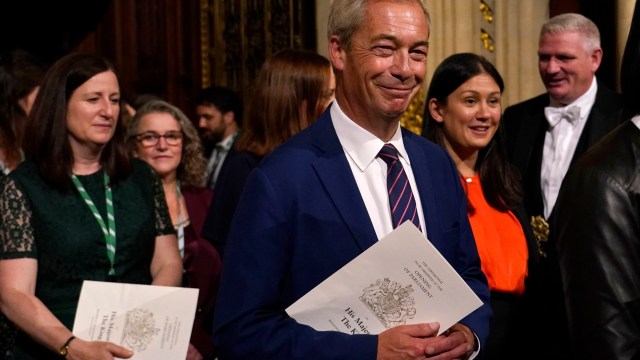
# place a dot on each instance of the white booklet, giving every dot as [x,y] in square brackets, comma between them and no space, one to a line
[402,279]
[153,321]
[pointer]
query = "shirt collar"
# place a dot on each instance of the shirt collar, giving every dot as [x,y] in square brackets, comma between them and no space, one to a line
[358,143]
[584,102]
[227,142]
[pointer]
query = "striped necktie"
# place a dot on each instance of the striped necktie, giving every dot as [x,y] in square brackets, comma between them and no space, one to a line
[401,200]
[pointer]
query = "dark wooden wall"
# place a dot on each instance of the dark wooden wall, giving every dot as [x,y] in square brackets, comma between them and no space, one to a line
[173,48]
[155,44]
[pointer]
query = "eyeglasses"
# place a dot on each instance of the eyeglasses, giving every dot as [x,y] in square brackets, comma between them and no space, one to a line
[148,139]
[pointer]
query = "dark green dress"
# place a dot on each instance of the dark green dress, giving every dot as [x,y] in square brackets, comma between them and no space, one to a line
[60,231]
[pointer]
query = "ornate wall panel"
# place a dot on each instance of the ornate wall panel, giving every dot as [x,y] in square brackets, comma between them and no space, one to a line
[237,36]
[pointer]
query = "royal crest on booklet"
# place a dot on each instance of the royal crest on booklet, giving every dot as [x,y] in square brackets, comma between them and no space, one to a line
[153,321]
[402,279]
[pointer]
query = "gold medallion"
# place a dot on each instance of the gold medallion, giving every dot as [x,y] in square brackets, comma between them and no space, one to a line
[541,231]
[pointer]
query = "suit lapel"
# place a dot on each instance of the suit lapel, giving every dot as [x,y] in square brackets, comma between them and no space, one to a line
[335,174]
[597,126]
[529,152]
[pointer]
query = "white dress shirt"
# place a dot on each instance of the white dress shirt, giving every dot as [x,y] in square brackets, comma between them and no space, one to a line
[560,144]
[369,171]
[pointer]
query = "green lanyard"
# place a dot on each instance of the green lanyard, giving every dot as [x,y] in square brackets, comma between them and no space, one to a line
[109,232]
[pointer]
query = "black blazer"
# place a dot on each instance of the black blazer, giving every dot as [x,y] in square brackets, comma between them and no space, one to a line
[526,125]
[598,245]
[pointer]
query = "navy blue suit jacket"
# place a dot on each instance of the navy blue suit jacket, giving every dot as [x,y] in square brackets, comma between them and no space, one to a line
[301,218]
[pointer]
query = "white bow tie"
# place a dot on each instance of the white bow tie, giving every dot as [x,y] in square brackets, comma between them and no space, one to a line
[555,114]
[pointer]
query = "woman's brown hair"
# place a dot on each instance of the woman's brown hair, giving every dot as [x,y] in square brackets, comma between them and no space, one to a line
[287,96]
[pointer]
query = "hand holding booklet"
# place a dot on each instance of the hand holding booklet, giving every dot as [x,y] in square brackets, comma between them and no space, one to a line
[153,321]
[402,279]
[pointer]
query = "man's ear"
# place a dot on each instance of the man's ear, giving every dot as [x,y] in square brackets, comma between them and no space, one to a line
[336,53]
[229,117]
[596,59]
[435,110]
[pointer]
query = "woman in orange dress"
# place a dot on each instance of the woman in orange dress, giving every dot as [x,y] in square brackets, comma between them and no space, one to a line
[462,115]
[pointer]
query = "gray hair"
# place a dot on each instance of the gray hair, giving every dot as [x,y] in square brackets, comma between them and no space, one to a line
[193,166]
[572,22]
[346,16]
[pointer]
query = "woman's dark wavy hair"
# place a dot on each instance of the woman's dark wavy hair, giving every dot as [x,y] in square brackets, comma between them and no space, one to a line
[500,180]
[47,143]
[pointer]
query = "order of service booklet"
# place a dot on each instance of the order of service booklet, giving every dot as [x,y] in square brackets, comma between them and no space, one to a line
[152,321]
[402,279]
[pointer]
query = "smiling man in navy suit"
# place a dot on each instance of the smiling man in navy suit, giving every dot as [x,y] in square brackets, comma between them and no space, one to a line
[320,200]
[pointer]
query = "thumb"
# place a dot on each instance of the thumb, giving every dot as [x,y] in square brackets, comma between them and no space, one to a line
[423,329]
[119,351]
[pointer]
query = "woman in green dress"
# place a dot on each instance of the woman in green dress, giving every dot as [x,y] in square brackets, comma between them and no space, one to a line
[78,208]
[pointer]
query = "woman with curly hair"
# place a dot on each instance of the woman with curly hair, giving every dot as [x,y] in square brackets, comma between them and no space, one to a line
[163,136]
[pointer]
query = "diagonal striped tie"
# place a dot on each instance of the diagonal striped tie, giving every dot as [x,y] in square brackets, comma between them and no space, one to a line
[401,200]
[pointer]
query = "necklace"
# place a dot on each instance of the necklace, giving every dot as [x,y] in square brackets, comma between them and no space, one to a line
[467,179]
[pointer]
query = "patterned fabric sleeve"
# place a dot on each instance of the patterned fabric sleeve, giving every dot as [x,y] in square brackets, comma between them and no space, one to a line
[16,230]
[163,219]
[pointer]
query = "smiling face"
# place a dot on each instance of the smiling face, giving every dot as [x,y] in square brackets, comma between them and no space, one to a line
[92,112]
[566,67]
[163,157]
[382,71]
[470,116]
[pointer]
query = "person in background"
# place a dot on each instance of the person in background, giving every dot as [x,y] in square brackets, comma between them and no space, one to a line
[165,138]
[292,89]
[219,112]
[20,77]
[320,199]
[597,243]
[463,116]
[57,205]
[598,237]
[545,136]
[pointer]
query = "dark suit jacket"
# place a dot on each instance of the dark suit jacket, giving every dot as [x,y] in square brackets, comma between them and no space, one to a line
[227,192]
[598,247]
[526,125]
[300,219]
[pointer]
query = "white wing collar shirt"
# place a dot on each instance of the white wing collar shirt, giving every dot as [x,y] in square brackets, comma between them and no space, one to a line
[560,142]
[361,148]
